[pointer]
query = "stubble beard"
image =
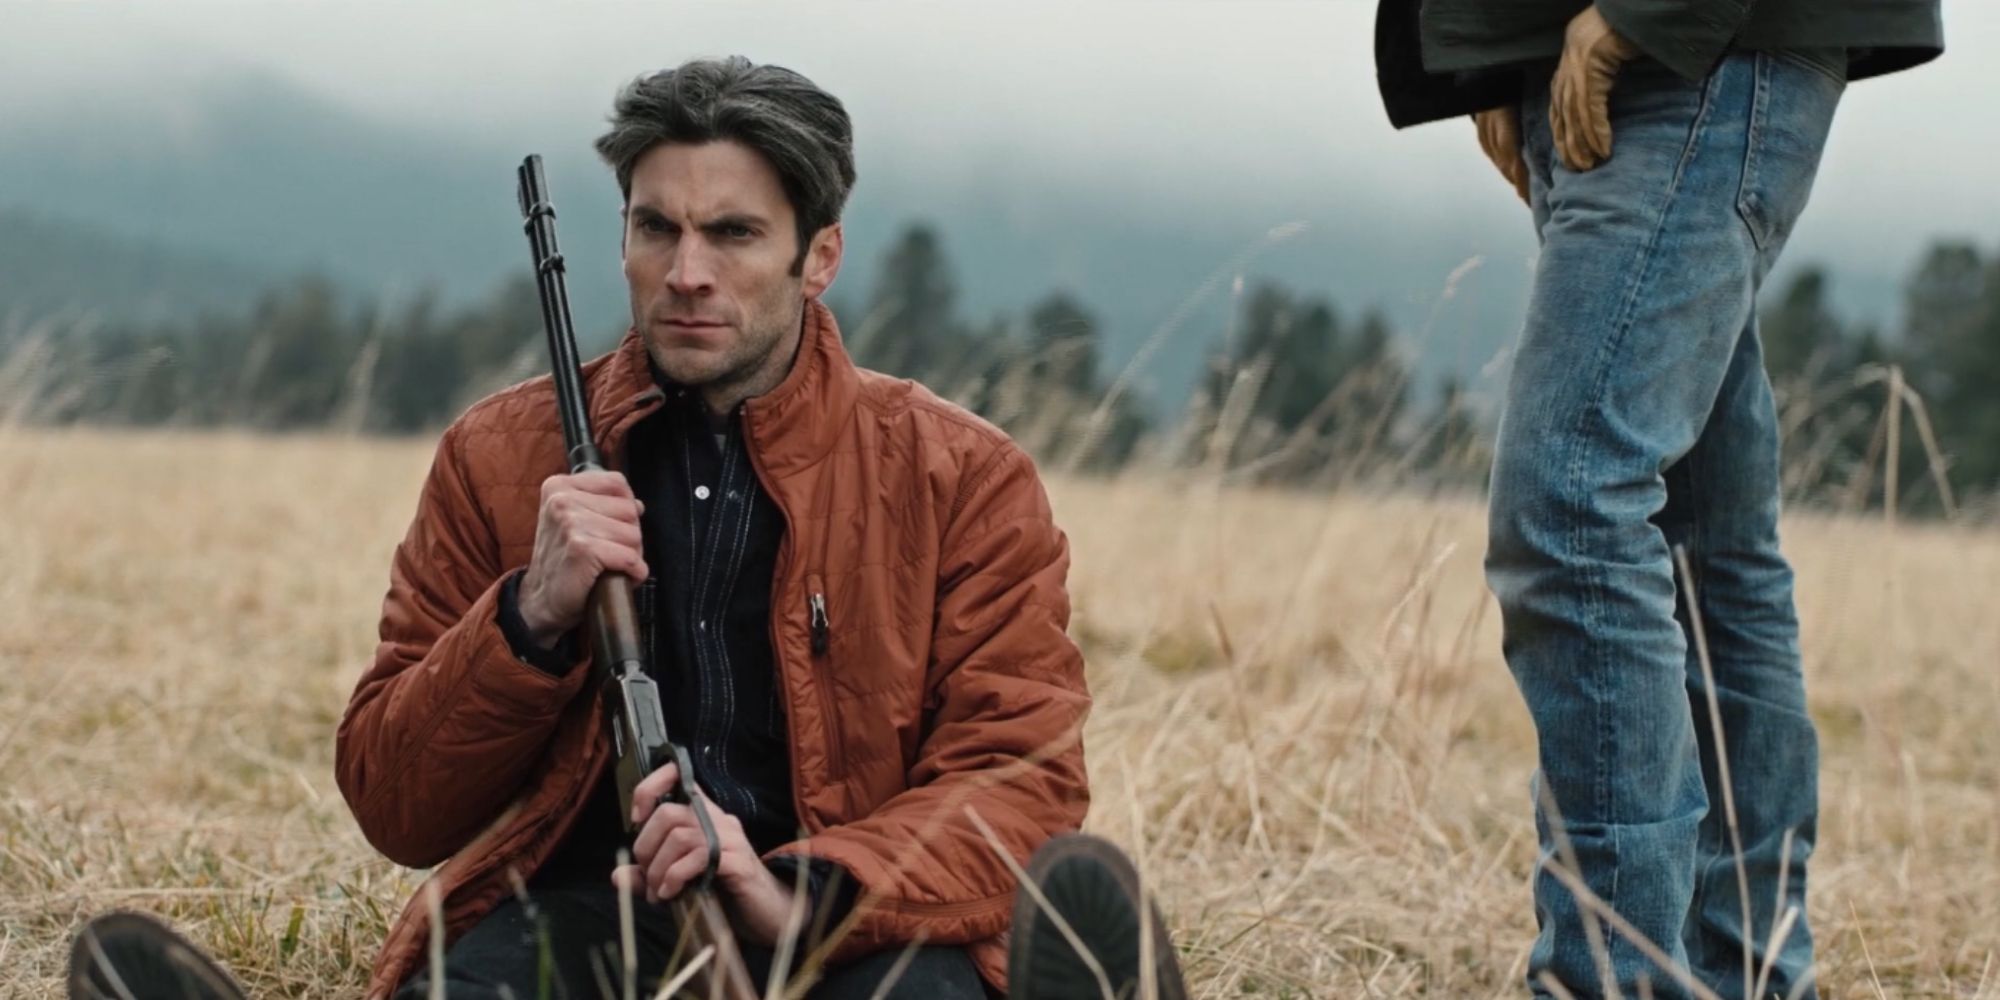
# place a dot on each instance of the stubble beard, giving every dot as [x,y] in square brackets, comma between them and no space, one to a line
[749,367]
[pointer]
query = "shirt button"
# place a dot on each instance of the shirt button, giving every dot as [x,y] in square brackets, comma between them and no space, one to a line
[702,625]
[701,493]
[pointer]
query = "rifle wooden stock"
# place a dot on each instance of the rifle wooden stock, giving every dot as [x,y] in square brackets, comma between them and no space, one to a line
[640,742]
[615,624]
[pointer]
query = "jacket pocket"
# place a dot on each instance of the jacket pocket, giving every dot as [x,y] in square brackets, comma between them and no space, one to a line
[819,632]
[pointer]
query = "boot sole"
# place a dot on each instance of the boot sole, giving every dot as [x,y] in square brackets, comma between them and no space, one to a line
[1095,888]
[137,955]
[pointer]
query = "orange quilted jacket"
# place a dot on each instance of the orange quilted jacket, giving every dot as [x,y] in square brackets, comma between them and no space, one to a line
[949,679]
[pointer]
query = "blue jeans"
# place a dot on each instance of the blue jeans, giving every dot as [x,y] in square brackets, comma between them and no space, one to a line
[1639,419]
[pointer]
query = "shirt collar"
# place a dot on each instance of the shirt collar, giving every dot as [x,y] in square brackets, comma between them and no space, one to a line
[688,403]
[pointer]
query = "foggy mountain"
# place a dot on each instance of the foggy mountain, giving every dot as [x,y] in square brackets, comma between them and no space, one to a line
[50,267]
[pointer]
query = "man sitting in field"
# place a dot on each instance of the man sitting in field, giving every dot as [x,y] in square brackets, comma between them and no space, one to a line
[852,595]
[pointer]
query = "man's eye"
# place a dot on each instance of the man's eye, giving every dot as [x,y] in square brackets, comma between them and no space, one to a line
[738,231]
[654,225]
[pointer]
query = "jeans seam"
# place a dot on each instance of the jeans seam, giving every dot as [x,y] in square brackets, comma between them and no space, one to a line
[1595,584]
[1692,588]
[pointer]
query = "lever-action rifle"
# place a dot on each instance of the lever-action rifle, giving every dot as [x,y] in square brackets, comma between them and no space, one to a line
[639,741]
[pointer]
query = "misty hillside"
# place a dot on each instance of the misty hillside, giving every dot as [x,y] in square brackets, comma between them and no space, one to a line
[253,168]
[51,266]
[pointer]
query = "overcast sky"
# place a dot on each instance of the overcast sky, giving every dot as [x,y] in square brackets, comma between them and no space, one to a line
[1095,94]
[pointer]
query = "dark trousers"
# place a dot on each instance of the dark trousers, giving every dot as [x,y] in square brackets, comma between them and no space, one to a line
[503,956]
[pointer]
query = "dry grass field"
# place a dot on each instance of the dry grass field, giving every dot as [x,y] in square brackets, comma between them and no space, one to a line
[1303,727]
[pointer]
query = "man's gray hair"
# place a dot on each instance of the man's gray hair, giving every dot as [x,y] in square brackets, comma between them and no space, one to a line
[801,130]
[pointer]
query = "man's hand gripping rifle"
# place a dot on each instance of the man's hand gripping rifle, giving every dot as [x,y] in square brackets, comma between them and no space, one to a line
[639,739]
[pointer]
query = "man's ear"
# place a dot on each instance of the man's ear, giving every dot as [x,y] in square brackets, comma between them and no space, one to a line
[624,227]
[822,261]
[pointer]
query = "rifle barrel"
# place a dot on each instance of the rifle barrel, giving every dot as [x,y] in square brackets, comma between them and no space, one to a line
[641,740]
[539,219]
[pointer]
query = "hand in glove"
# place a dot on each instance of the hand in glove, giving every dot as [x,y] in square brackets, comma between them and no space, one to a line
[1580,94]
[1500,137]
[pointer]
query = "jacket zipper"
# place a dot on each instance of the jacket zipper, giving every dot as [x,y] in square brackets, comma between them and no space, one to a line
[819,626]
[816,607]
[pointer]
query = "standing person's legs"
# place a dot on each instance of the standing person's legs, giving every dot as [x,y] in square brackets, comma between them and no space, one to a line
[1647,282]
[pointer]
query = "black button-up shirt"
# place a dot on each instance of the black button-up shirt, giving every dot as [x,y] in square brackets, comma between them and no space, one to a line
[712,537]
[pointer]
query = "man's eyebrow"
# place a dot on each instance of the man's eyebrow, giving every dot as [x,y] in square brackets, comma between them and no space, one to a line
[748,220]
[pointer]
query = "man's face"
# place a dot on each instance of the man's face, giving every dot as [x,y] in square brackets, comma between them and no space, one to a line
[710,242]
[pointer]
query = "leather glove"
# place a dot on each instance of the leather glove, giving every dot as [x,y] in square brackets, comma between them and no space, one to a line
[1500,136]
[1580,94]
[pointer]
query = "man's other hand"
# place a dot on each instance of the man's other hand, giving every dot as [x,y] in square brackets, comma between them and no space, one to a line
[1500,136]
[671,853]
[1580,94]
[588,526]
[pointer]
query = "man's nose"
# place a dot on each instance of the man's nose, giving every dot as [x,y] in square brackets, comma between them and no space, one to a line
[692,271]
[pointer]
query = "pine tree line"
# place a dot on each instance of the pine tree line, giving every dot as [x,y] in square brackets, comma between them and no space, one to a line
[1293,391]
[1909,417]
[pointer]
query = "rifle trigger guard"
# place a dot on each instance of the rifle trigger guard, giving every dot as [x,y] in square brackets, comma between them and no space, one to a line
[699,804]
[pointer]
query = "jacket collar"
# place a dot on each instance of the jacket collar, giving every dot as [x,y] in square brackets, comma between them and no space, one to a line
[788,429]
[621,390]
